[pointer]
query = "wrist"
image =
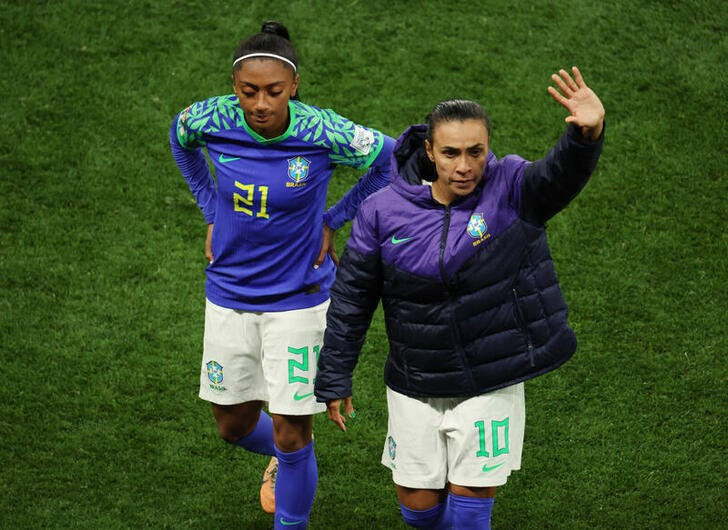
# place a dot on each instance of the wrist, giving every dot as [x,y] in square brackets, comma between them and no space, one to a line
[593,133]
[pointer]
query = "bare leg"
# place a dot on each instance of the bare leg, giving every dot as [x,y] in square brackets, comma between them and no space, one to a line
[471,491]
[292,433]
[236,421]
[423,508]
[420,499]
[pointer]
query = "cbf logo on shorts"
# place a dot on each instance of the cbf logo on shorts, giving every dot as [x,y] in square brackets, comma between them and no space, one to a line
[392,448]
[478,228]
[214,372]
[297,171]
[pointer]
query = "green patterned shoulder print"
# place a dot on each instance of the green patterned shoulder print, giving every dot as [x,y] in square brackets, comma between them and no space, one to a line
[348,143]
[208,117]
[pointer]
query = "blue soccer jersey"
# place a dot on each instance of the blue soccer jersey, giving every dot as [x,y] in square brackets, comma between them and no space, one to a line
[269,200]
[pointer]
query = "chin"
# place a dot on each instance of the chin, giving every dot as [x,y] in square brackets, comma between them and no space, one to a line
[463,193]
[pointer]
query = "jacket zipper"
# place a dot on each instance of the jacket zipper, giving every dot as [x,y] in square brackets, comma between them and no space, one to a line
[524,327]
[453,321]
[443,244]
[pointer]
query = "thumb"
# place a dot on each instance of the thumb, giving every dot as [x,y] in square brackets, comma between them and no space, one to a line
[334,256]
[319,258]
[349,408]
[334,415]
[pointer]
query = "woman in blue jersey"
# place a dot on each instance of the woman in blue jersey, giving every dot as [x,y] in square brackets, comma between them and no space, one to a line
[270,251]
[456,250]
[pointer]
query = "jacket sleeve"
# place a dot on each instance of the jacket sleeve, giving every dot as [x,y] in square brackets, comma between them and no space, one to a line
[193,166]
[549,184]
[354,298]
[374,179]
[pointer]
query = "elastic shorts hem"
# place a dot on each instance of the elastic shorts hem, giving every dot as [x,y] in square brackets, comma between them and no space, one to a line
[418,483]
[229,399]
[318,408]
[415,482]
[489,482]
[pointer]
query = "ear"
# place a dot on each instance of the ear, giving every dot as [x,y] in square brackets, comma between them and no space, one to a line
[232,81]
[294,87]
[428,150]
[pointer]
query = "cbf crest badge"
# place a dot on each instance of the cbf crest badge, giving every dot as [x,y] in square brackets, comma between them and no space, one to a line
[478,229]
[214,372]
[298,169]
[392,447]
[476,226]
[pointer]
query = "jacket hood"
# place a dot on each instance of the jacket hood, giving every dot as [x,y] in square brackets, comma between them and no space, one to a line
[410,158]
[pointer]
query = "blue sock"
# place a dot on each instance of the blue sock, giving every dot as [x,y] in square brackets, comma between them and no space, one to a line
[470,512]
[260,440]
[430,518]
[295,487]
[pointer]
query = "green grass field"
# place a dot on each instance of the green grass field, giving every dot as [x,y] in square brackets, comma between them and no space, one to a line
[101,255]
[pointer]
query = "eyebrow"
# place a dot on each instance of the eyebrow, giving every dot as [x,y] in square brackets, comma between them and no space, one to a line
[479,145]
[256,87]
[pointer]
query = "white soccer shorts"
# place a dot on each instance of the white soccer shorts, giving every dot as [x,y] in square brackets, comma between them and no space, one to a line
[271,357]
[474,442]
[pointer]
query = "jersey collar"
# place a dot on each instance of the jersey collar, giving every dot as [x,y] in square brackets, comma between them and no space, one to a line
[258,138]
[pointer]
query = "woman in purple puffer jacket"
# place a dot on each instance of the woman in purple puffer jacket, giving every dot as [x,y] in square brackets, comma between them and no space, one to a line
[455,248]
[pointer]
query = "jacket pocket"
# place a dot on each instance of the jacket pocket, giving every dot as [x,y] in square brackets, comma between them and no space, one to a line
[521,321]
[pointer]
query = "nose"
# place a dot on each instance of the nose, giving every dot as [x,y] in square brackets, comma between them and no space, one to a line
[261,102]
[462,166]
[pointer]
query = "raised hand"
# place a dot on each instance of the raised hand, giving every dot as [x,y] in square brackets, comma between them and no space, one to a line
[585,109]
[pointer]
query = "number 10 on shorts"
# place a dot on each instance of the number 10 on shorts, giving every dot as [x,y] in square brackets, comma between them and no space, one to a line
[296,367]
[499,437]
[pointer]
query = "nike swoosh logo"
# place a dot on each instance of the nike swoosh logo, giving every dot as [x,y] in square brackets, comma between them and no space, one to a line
[299,397]
[396,241]
[224,159]
[288,523]
[486,468]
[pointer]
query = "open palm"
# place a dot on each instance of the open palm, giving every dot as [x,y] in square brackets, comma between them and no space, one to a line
[585,109]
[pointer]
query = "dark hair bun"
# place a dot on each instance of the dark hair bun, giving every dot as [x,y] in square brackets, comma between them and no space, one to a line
[276,28]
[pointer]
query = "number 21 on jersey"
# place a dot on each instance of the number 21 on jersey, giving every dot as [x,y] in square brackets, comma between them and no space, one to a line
[246,202]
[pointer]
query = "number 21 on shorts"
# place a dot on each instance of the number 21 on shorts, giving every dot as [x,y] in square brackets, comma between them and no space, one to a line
[300,370]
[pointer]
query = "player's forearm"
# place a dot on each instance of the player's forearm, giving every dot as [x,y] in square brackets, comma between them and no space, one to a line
[193,166]
[374,179]
[550,183]
[345,210]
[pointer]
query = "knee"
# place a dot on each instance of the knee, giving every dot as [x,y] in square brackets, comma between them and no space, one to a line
[231,433]
[232,426]
[292,433]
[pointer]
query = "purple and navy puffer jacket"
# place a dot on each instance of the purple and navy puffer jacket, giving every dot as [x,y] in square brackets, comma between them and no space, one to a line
[470,295]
